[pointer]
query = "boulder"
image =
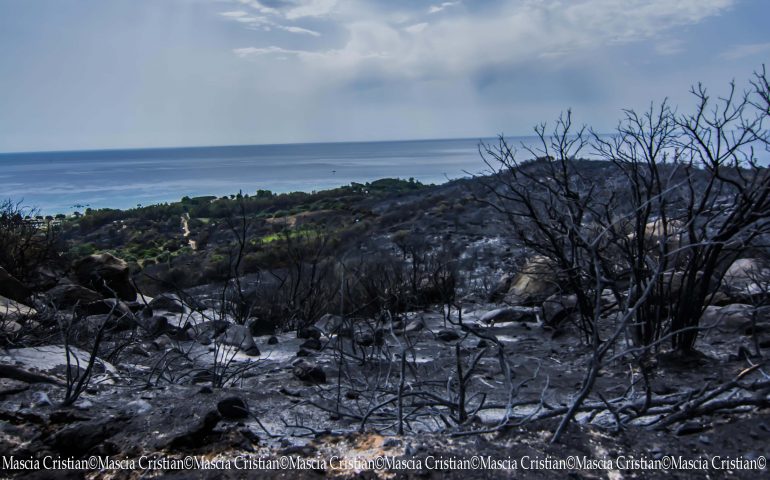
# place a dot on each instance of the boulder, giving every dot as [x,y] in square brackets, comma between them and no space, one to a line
[746,276]
[155,325]
[558,308]
[311,344]
[105,306]
[105,273]
[509,314]
[67,295]
[732,318]
[536,281]
[447,335]
[194,436]
[169,302]
[207,331]
[12,311]
[367,339]
[273,340]
[233,408]
[498,292]
[78,439]
[240,336]
[414,326]
[308,371]
[309,332]
[12,288]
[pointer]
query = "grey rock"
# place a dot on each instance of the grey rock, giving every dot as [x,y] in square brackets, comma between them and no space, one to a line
[233,408]
[308,371]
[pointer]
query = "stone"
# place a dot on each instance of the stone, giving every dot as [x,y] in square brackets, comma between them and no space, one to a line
[105,273]
[138,407]
[537,280]
[509,314]
[155,325]
[11,288]
[308,371]
[304,353]
[558,308]
[415,325]
[273,340]
[730,318]
[67,295]
[78,439]
[10,386]
[240,336]
[447,335]
[309,332]
[40,399]
[311,344]
[169,302]
[233,408]
[198,433]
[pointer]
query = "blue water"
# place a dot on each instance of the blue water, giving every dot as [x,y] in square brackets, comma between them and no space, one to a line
[62,182]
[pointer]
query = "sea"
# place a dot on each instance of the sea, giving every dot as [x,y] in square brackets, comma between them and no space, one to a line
[65,182]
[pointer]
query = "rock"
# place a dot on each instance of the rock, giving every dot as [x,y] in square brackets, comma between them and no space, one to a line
[122,316]
[311,344]
[12,288]
[537,280]
[743,275]
[196,436]
[367,339]
[51,360]
[240,336]
[304,353]
[273,340]
[78,439]
[9,327]
[689,428]
[502,287]
[169,302]
[558,308]
[138,407]
[290,392]
[309,332]
[83,404]
[233,408]
[330,323]
[67,295]
[105,273]
[155,325]
[162,342]
[482,344]
[308,371]
[10,386]
[206,331]
[730,318]
[447,335]
[11,310]
[40,399]
[414,326]
[509,314]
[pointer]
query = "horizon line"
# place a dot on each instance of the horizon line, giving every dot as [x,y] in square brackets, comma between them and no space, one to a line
[278,144]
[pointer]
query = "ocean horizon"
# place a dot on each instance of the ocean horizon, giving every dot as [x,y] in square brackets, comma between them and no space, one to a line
[66,181]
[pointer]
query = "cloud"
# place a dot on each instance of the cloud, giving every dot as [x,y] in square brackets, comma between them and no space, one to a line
[300,30]
[441,6]
[234,14]
[746,50]
[255,52]
[310,8]
[517,32]
[416,28]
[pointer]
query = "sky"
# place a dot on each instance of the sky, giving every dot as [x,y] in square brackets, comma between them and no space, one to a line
[93,74]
